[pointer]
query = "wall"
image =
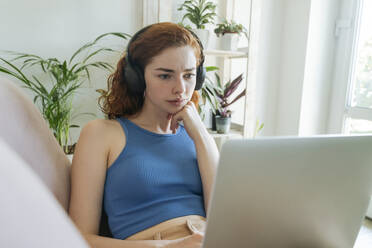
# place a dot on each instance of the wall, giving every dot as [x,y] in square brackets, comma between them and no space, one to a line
[295,66]
[268,68]
[319,67]
[294,41]
[51,28]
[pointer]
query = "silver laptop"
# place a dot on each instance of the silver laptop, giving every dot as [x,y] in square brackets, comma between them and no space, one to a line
[290,192]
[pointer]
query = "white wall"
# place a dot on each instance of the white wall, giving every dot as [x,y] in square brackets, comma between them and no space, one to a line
[295,66]
[294,39]
[268,68]
[319,67]
[52,28]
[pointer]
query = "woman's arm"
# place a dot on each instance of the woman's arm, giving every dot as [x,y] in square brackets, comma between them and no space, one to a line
[206,149]
[88,174]
[207,156]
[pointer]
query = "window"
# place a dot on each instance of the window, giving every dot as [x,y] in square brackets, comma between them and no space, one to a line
[356,116]
[359,102]
[238,66]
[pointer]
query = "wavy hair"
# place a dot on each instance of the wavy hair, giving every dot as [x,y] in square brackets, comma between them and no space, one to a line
[117,101]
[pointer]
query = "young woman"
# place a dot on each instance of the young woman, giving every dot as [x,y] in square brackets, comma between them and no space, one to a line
[151,165]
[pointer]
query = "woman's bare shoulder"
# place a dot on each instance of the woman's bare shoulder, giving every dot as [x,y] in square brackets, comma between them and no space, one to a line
[102,129]
[99,123]
[110,134]
[102,126]
[98,139]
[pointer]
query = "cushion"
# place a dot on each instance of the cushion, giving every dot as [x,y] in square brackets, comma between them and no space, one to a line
[24,129]
[30,214]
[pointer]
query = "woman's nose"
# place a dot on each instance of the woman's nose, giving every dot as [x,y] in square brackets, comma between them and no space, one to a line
[179,85]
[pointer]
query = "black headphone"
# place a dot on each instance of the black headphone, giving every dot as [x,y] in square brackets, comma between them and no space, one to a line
[134,75]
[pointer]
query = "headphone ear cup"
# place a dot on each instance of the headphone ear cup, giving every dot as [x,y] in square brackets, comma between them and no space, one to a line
[134,78]
[200,77]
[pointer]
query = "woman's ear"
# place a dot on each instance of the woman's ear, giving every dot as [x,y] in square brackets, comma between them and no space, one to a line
[195,99]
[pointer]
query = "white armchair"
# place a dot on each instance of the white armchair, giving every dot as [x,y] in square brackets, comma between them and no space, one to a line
[34,178]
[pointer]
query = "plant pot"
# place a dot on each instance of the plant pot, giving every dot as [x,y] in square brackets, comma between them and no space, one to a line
[70,156]
[213,122]
[223,124]
[69,148]
[203,36]
[229,41]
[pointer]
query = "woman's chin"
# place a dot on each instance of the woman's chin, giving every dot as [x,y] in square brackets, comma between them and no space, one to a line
[173,112]
[175,109]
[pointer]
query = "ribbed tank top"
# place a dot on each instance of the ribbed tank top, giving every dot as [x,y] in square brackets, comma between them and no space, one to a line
[155,178]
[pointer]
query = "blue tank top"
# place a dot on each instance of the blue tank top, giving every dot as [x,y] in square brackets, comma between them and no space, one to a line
[155,178]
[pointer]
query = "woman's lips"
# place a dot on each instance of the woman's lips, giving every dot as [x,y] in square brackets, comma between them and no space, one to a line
[177,102]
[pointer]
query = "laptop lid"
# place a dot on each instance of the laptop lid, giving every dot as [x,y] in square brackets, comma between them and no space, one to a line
[290,192]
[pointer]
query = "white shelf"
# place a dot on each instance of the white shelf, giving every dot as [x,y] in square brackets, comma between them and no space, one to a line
[232,134]
[226,53]
[221,138]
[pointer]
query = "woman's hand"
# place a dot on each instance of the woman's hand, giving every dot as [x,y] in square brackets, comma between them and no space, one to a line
[191,120]
[192,241]
[206,149]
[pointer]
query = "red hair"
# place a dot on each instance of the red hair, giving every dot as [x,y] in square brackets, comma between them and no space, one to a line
[117,101]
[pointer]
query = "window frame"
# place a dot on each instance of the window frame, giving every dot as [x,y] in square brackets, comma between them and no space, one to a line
[347,33]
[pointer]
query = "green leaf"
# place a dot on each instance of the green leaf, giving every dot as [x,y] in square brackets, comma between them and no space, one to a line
[100,65]
[218,80]
[80,50]
[87,72]
[35,98]
[211,68]
[71,89]
[22,77]
[41,88]
[118,34]
[23,55]
[73,67]
[192,19]
[121,35]
[7,71]
[97,52]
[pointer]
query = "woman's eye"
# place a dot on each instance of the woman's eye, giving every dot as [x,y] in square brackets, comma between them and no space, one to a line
[164,76]
[189,75]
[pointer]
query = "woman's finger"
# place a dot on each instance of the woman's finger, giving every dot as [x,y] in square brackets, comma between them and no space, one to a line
[193,229]
[174,122]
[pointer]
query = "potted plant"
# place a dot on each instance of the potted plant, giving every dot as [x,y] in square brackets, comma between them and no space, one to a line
[230,32]
[199,13]
[222,94]
[259,126]
[206,93]
[208,99]
[65,78]
[209,93]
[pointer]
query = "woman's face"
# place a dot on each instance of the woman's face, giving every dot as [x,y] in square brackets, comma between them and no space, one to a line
[170,79]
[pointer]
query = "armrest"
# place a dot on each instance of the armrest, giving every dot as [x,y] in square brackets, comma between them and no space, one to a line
[30,215]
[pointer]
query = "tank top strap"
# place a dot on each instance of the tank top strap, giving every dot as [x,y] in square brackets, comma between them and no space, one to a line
[123,123]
